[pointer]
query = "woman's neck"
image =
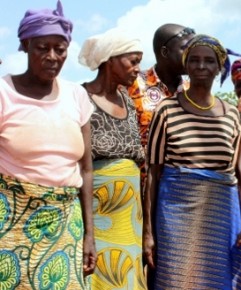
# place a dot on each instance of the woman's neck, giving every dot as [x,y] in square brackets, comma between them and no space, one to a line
[201,95]
[34,88]
[171,81]
[103,88]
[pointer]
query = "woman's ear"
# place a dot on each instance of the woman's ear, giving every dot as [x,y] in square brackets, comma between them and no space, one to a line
[111,61]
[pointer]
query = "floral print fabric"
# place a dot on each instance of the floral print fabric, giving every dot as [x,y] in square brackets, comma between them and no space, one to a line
[147,91]
[113,137]
[41,234]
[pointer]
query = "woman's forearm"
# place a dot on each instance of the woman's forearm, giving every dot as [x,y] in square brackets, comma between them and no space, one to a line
[149,204]
[86,199]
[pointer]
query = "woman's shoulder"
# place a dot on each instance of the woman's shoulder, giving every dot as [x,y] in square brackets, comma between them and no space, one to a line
[167,103]
[6,81]
[70,85]
[74,93]
[229,108]
[126,96]
[7,87]
[74,90]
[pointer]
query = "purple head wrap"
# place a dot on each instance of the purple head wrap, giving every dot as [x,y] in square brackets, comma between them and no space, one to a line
[45,22]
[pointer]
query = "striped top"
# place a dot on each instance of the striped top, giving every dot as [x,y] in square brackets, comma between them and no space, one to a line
[178,138]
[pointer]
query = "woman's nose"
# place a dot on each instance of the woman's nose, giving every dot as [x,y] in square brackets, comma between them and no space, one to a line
[201,65]
[51,54]
[137,68]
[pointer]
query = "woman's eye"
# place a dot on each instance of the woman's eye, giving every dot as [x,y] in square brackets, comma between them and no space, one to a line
[60,50]
[210,61]
[193,60]
[42,48]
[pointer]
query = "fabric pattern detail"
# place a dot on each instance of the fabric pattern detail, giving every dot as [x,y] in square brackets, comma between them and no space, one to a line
[41,236]
[116,138]
[178,138]
[118,226]
[147,91]
[197,224]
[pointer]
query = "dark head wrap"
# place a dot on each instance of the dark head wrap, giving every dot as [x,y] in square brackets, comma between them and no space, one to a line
[45,22]
[236,70]
[221,52]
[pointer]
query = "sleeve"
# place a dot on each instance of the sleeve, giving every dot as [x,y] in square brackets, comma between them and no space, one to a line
[157,136]
[86,107]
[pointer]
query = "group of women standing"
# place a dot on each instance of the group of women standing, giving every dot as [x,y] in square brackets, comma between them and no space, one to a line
[70,198]
[55,136]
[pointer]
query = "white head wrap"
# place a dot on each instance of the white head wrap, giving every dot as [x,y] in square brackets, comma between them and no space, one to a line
[99,48]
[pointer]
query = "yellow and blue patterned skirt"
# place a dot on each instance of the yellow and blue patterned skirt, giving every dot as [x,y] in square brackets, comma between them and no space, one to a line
[41,235]
[118,226]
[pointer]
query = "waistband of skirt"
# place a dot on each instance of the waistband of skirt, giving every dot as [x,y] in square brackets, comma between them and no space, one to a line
[32,189]
[205,174]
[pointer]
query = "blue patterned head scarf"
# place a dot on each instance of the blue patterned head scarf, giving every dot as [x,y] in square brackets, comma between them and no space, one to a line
[45,22]
[221,52]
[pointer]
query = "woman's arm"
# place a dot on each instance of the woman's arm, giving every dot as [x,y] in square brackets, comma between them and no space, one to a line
[155,157]
[86,199]
[149,207]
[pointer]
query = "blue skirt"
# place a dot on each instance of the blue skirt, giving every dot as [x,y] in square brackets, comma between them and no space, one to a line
[197,223]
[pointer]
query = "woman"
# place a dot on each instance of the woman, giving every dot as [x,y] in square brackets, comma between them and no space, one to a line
[236,79]
[236,76]
[191,206]
[46,170]
[116,153]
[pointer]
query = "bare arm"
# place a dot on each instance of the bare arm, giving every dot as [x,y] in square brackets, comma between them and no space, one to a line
[86,199]
[149,206]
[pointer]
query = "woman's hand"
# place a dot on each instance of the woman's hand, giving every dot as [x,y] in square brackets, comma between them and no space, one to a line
[89,255]
[149,250]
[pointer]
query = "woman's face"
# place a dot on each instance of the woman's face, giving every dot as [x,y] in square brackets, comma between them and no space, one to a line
[46,56]
[126,67]
[202,65]
[237,88]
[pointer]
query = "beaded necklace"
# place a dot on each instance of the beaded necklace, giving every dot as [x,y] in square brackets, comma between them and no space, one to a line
[198,106]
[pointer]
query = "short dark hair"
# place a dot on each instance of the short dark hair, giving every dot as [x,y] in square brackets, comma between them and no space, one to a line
[167,32]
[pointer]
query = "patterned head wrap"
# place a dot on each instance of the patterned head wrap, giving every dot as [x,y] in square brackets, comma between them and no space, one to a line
[221,52]
[45,22]
[236,70]
[99,48]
